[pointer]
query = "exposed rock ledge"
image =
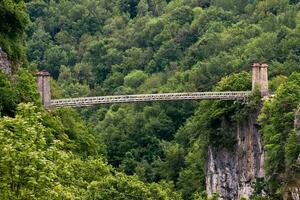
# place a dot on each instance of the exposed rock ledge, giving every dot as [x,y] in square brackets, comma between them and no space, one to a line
[5,64]
[232,173]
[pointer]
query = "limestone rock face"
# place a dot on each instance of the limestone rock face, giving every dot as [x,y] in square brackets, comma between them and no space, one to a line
[232,173]
[294,193]
[297,120]
[5,64]
[292,187]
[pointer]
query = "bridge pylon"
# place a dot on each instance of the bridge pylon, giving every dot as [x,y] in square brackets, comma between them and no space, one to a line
[43,81]
[260,78]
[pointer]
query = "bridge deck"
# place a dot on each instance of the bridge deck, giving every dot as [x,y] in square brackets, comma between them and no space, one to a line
[89,101]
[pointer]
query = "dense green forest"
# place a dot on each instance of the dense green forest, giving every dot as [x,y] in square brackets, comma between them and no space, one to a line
[146,150]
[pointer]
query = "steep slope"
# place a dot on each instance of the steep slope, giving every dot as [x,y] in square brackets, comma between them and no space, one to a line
[233,172]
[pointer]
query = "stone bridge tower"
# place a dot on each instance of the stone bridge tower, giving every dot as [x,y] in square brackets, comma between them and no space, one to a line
[260,78]
[43,79]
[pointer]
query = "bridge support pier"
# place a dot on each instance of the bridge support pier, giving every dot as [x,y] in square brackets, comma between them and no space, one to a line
[260,78]
[43,80]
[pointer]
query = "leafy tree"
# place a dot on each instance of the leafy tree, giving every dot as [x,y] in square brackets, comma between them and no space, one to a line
[22,89]
[13,20]
[174,161]
[26,87]
[33,166]
[8,97]
[277,118]
[97,47]
[142,8]
[134,79]
[54,58]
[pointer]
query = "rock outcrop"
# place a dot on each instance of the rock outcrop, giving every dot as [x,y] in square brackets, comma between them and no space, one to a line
[292,187]
[233,173]
[297,120]
[5,64]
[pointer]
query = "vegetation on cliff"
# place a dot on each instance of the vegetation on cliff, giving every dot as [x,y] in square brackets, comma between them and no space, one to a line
[13,21]
[281,140]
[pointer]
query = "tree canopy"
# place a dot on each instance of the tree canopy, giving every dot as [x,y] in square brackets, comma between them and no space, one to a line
[146,150]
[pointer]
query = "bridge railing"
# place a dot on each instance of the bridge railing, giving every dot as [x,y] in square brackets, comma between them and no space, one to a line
[88,101]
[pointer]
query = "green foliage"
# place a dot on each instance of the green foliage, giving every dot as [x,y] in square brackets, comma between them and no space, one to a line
[121,186]
[276,82]
[204,196]
[32,167]
[135,79]
[7,98]
[292,148]
[22,89]
[26,87]
[221,117]
[97,47]
[260,188]
[192,176]
[277,120]
[13,20]
[84,142]
[130,138]
[174,161]
[260,198]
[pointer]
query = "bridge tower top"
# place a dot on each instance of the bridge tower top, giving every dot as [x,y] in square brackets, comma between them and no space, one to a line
[43,79]
[260,78]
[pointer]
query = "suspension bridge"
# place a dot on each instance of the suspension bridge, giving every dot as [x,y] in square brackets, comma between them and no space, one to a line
[259,78]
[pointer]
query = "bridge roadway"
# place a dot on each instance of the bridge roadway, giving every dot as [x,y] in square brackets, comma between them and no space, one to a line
[89,101]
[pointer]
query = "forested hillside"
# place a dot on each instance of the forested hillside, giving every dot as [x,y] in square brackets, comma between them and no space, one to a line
[146,150]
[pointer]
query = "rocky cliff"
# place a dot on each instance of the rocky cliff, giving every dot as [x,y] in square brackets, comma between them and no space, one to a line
[292,188]
[297,120]
[233,173]
[5,64]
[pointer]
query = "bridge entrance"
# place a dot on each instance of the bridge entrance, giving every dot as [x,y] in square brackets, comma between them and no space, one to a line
[259,80]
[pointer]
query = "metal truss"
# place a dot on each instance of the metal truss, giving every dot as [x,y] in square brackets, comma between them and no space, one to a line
[89,101]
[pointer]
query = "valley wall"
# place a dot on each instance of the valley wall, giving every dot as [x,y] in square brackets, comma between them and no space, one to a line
[233,173]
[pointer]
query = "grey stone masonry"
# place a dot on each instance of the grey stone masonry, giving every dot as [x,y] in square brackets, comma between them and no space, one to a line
[43,79]
[264,85]
[260,78]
